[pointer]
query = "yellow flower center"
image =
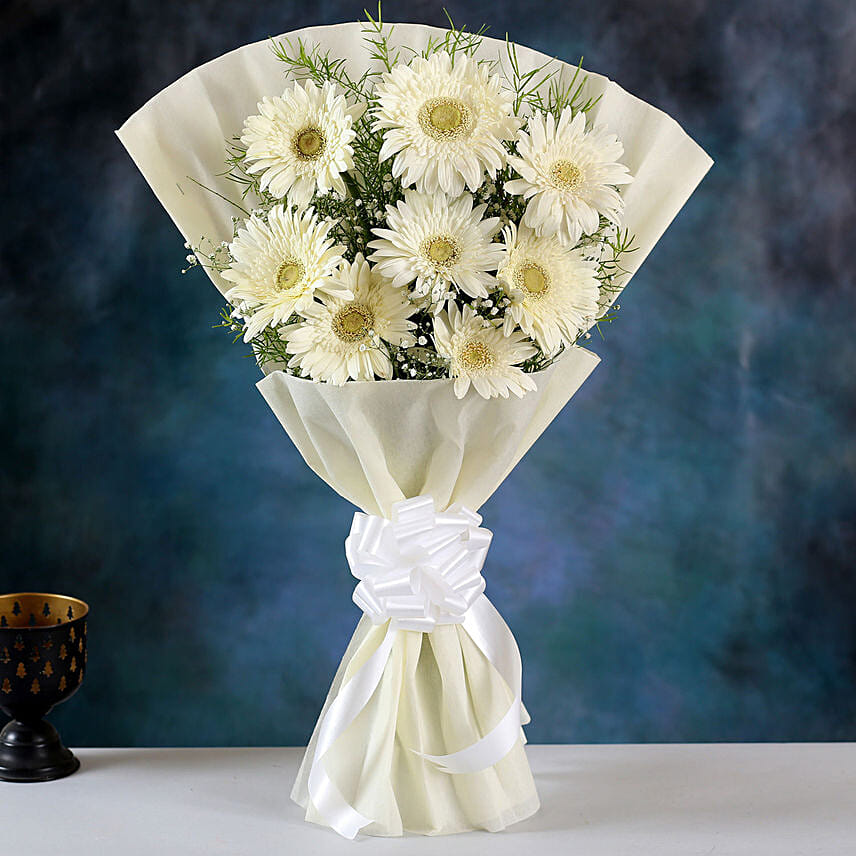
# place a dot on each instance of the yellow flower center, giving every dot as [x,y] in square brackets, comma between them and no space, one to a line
[533,279]
[289,277]
[475,355]
[353,322]
[441,250]
[309,144]
[445,118]
[566,175]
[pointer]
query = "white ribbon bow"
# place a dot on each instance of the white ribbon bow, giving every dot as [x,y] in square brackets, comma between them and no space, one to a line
[419,569]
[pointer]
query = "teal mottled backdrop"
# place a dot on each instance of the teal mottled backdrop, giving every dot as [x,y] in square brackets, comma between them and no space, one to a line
[675,555]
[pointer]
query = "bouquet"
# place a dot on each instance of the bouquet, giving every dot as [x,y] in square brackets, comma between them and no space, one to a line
[413,229]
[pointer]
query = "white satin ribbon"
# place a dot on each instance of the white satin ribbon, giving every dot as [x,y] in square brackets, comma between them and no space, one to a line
[343,710]
[416,571]
[484,625]
[420,568]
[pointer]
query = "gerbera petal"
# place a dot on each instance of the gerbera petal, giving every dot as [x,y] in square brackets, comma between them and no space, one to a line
[339,338]
[444,126]
[437,243]
[300,142]
[568,174]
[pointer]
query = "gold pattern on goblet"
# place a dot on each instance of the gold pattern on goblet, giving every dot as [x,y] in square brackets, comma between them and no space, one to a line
[22,671]
[34,609]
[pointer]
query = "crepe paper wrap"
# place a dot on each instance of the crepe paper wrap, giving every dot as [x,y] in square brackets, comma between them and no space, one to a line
[400,741]
[425,568]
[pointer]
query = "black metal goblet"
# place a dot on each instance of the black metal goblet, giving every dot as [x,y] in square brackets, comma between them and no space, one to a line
[42,661]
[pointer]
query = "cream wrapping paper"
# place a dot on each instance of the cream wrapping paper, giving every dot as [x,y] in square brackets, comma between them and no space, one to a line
[376,443]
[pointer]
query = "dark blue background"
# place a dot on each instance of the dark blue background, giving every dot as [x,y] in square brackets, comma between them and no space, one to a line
[675,556]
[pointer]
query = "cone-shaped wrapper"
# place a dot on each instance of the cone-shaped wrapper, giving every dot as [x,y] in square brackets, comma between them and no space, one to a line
[377,443]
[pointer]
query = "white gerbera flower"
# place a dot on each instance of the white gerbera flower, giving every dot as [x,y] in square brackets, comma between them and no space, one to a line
[553,288]
[340,338]
[568,175]
[301,142]
[481,354]
[278,266]
[439,243]
[444,124]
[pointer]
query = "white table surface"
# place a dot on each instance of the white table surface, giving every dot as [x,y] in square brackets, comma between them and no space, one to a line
[656,800]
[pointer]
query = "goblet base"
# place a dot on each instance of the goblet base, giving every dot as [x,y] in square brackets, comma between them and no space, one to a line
[33,752]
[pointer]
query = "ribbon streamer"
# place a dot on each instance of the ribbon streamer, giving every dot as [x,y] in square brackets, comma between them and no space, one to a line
[418,570]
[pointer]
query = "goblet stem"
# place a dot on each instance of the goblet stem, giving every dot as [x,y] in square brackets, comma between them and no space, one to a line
[33,752]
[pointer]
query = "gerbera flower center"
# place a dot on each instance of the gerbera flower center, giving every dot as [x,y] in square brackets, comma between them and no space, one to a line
[533,279]
[441,250]
[289,276]
[566,175]
[309,144]
[445,118]
[353,322]
[475,355]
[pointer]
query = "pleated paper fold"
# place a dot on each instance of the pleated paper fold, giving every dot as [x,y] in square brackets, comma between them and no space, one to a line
[377,443]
